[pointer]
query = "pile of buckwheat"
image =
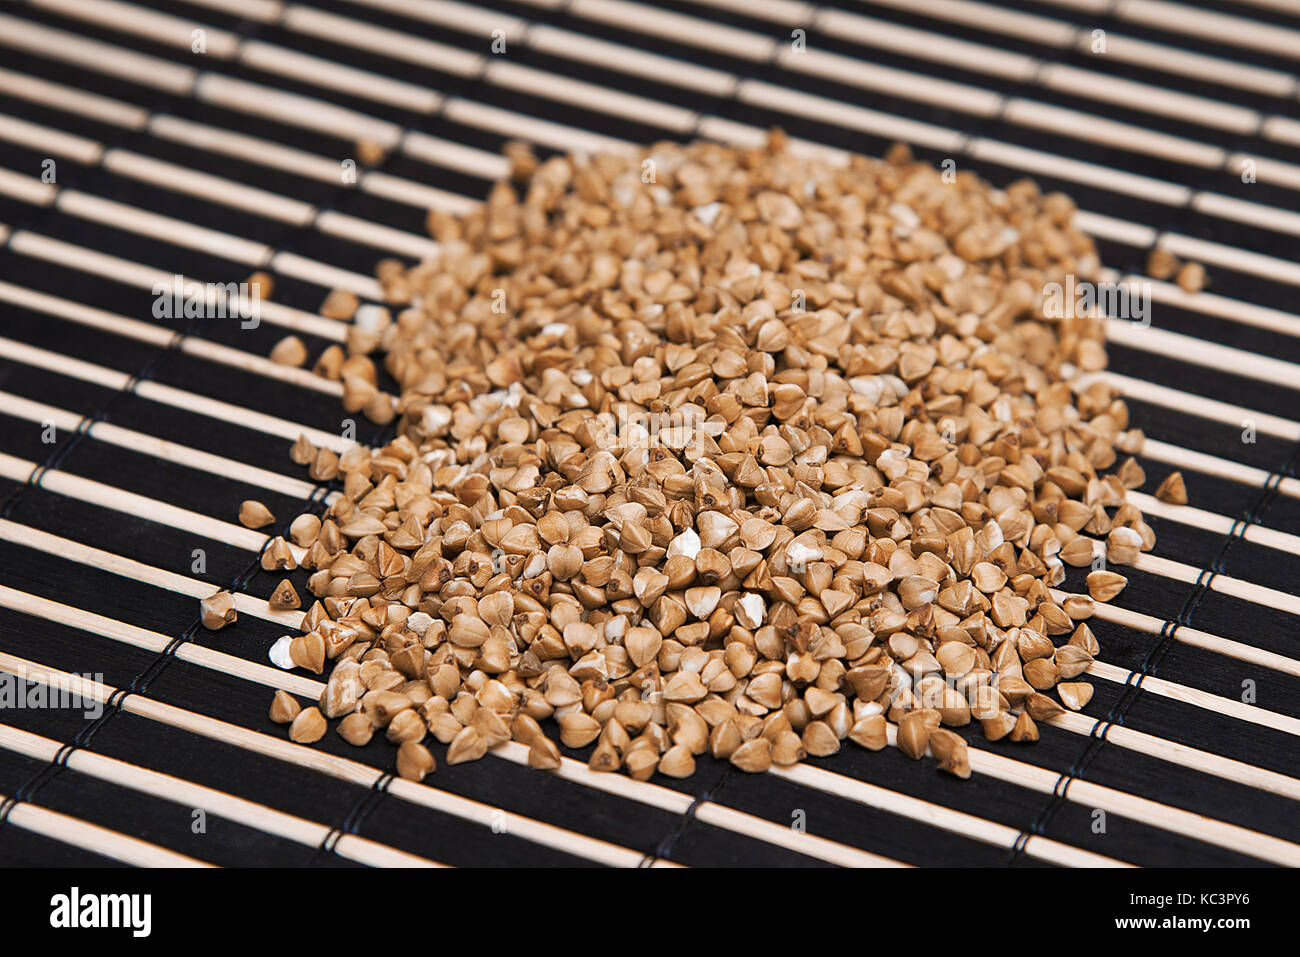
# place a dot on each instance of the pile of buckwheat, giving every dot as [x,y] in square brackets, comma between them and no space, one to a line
[714,450]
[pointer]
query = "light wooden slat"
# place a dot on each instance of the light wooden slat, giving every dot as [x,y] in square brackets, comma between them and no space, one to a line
[55,142]
[1204,353]
[1212,26]
[263,11]
[169,395]
[133,219]
[590,96]
[1214,522]
[123,567]
[1214,465]
[677,27]
[968,825]
[146,23]
[139,68]
[1111,133]
[98,840]
[882,79]
[282,61]
[235,248]
[1227,768]
[27,189]
[228,192]
[1117,230]
[650,66]
[327,276]
[250,814]
[40,412]
[301,111]
[1212,409]
[870,31]
[138,506]
[1152,99]
[555,135]
[1116,181]
[373,39]
[71,100]
[1210,304]
[576,771]
[250,149]
[1153,625]
[1188,824]
[372,234]
[995,19]
[465,17]
[1251,714]
[1230,257]
[215,189]
[1255,214]
[148,277]
[1195,66]
[341,768]
[1225,584]
[452,155]
[844,114]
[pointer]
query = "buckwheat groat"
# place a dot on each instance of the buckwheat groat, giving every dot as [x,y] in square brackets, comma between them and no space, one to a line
[709,450]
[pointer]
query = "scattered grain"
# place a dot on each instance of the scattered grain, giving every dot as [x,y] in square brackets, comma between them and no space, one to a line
[308,727]
[261,285]
[285,597]
[1173,490]
[340,304]
[255,515]
[1103,585]
[370,153]
[1162,264]
[217,611]
[1075,695]
[913,734]
[356,729]
[1191,277]
[284,707]
[468,745]
[1024,729]
[753,756]
[414,761]
[289,351]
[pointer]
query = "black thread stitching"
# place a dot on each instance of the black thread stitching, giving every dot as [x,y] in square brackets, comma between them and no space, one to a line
[87,422]
[12,499]
[1164,641]
[666,845]
[358,814]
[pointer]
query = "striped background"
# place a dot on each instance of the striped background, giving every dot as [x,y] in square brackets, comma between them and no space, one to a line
[218,164]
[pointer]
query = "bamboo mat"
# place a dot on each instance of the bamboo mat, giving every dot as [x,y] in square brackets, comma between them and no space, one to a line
[127,442]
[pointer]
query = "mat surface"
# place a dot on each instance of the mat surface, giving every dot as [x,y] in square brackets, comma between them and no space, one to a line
[141,140]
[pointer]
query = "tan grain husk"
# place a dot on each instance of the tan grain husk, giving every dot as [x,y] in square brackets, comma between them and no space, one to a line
[705,463]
